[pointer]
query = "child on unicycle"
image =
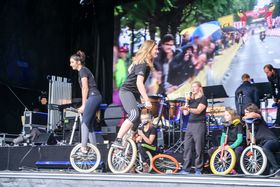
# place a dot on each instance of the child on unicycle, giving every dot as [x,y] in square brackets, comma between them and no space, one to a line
[234,136]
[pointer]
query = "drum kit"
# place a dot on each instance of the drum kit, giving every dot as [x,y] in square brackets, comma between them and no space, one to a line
[161,107]
[167,116]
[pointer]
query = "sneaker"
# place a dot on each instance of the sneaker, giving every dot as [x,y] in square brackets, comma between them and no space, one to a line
[118,144]
[132,170]
[276,125]
[197,172]
[79,154]
[184,172]
[233,172]
[146,168]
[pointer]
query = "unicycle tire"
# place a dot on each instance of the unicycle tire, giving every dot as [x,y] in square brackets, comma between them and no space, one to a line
[85,162]
[139,167]
[163,163]
[122,160]
[222,166]
[253,162]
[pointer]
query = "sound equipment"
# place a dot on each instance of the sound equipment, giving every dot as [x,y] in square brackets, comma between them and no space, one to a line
[36,119]
[45,139]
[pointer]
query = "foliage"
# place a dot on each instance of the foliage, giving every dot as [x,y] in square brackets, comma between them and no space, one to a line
[174,15]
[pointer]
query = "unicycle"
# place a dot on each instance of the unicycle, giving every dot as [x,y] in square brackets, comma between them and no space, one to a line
[121,160]
[164,163]
[83,162]
[223,160]
[139,166]
[253,160]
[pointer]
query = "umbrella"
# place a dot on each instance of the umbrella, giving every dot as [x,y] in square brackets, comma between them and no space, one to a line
[205,30]
[229,29]
[188,30]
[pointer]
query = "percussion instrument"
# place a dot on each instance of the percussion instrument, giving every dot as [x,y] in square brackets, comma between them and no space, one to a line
[156,101]
[172,110]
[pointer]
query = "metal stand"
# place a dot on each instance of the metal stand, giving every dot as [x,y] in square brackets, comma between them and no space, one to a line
[78,115]
[213,92]
[178,146]
[60,93]
[240,104]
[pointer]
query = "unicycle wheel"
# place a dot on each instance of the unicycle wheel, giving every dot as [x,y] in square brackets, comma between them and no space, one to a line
[222,165]
[85,162]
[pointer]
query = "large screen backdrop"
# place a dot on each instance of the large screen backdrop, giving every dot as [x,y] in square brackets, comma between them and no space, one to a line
[206,41]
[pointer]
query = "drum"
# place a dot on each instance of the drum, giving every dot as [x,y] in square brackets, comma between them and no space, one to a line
[155,101]
[114,115]
[172,110]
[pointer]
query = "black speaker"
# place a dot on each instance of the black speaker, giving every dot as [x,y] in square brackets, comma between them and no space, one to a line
[45,139]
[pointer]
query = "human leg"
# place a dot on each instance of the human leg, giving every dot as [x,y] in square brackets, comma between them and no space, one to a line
[269,148]
[199,142]
[87,130]
[188,147]
[129,103]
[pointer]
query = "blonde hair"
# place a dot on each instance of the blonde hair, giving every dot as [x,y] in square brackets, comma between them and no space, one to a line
[232,113]
[143,55]
[201,93]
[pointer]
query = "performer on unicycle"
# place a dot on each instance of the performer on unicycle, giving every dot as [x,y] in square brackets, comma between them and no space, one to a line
[91,98]
[134,87]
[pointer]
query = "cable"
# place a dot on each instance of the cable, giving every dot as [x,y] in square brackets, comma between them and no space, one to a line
[18,98]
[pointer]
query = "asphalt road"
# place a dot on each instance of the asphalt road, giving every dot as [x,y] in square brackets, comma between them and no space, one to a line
[250,59]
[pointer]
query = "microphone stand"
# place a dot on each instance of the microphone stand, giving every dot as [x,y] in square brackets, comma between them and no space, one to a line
[240,102]
[265,100]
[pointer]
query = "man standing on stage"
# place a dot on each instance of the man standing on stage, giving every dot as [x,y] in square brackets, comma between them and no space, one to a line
[273,76]
[246,93]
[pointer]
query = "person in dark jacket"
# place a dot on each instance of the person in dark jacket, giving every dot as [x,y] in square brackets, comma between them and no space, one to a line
[264,137]
[246,93]
[181,68]
[273,76]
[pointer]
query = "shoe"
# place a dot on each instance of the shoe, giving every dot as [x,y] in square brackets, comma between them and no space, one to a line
[132,170]
[79,154]
[197,172]
[146,168]
[118,144]
[277,125]
[233,172]
[184,172]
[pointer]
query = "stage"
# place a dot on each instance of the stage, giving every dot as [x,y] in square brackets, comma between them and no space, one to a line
[48,165]
[70,178]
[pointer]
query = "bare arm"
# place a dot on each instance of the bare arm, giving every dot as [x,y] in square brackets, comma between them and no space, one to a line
[142,89]
[148,140]
[84,81]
